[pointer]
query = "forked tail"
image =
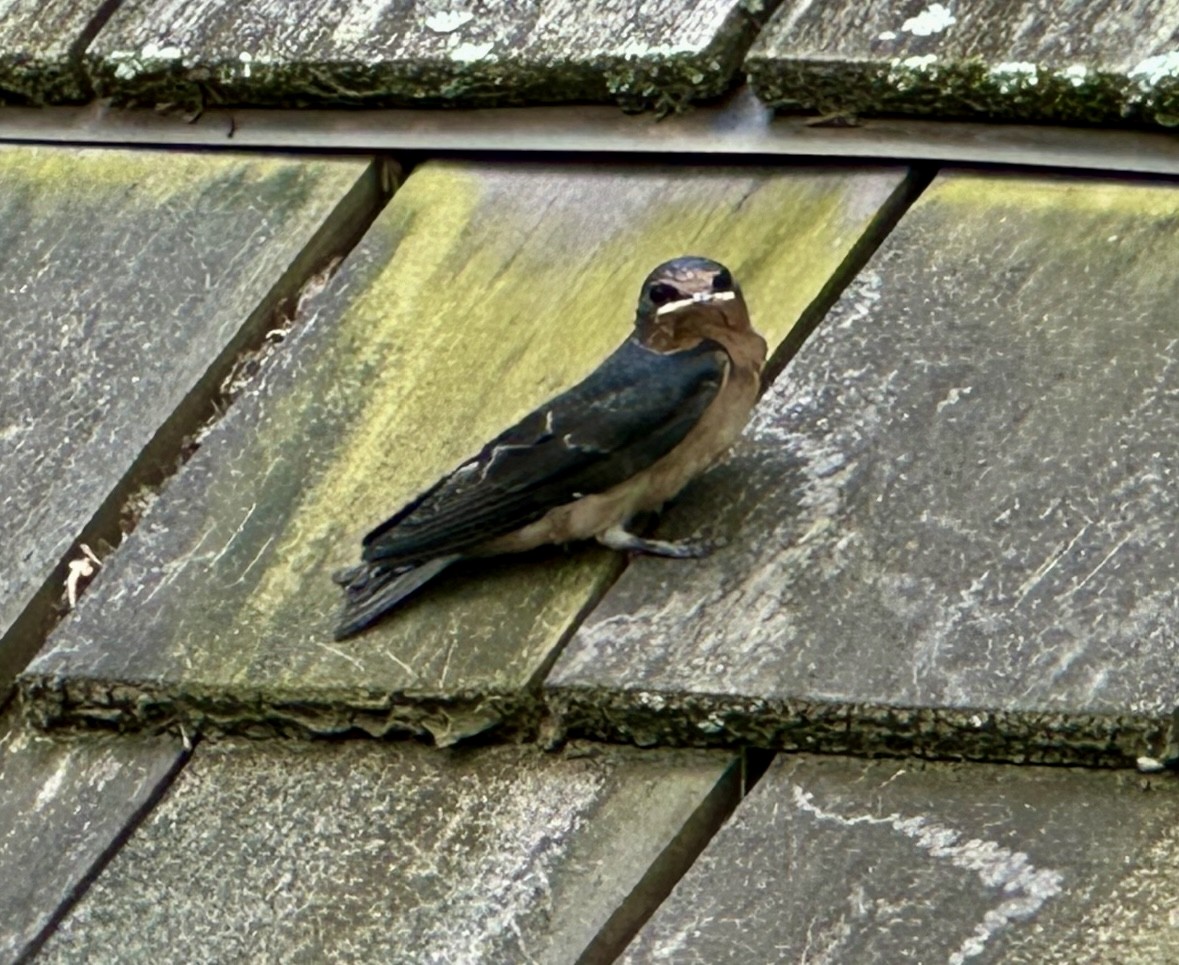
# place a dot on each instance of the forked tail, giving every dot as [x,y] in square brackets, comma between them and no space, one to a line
[372,590]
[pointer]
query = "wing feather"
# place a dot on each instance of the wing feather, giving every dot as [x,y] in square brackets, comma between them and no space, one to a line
[634,409]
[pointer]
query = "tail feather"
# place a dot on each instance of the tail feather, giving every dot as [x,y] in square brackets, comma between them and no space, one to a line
[372,590]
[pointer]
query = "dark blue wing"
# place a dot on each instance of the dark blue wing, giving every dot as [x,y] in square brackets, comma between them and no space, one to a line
[635,408]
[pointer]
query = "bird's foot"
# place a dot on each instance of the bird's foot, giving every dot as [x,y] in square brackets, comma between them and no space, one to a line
[617,538]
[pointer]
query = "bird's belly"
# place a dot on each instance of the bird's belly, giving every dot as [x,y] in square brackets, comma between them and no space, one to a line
[587,517]
[719,427]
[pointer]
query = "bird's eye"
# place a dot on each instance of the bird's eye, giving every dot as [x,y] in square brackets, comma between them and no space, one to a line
[722,281]
[661,294]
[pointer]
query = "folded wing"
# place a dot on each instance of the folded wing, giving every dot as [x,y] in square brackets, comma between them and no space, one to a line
[634,409]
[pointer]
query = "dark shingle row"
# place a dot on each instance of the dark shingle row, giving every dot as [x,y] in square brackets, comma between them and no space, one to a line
[1096,63]
[400,52]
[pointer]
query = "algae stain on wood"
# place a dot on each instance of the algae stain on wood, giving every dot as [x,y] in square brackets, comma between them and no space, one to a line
[1110,227]
[1080,196]
[38,173]
[127,284]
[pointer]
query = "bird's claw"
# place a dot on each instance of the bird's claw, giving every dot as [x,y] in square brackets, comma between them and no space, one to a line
[692,549]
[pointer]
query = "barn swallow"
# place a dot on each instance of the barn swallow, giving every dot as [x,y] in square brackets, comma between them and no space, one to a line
[656,413]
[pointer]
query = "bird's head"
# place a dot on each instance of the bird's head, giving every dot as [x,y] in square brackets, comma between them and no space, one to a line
[689,299]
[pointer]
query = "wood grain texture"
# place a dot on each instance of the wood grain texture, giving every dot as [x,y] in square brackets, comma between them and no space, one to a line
[950,520]
[124,277]
[843,860]
[409,52]
[41,42]
[1104,62]
[359,851]
[481,291]
[63,806]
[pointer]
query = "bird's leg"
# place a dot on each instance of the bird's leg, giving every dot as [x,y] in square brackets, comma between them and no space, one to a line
[617,538]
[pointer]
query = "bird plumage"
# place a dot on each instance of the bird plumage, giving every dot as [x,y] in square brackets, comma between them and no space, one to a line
[656,412]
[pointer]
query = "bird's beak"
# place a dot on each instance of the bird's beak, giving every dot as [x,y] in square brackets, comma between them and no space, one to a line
[699,298]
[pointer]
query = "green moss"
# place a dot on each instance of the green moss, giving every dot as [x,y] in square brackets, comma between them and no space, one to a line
[194,708]
[640,80]
[719,720]
[40,80]
[964,88]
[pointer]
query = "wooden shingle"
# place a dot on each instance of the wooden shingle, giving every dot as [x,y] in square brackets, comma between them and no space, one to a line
[406,52]
[835,859]
[950,519]
[127,282]
[64,806]
[1108,62]
[379,852]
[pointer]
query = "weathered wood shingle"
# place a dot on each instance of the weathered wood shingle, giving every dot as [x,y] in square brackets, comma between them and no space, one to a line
[407,52]
[840,860]
[41,42]
[1097,62]
[951,518]
[124,278]
[64,806]
[378,852]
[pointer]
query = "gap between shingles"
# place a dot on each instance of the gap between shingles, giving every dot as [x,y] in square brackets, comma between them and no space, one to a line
[81,44]
[677,857]
[97,21]
[82,885]
[206,402]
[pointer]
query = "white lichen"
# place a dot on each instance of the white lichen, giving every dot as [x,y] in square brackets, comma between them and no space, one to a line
[470,53]
[1149,72]
[916,62]
[1014,75]
[639,49]
[153,51]
[448,21]
[932,20]
[906,73]
[130,63]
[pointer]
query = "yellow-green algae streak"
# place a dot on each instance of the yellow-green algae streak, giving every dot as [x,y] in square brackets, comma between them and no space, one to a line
[1116,221]
[501,287]
[36,174]
[997,194]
